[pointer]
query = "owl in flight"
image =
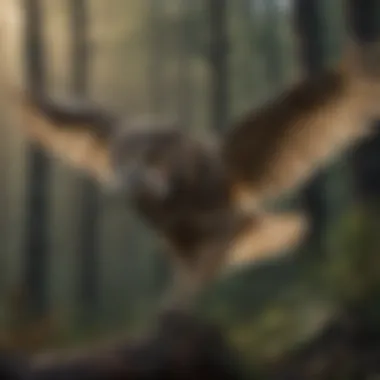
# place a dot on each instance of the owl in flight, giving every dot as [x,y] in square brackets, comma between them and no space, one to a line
[205,197]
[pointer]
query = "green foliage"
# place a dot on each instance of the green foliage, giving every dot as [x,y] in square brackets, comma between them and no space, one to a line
[353,272]
[268,310]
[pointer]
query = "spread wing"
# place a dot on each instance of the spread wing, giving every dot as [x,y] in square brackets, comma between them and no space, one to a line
[76,132]
[276,148]
[279,146]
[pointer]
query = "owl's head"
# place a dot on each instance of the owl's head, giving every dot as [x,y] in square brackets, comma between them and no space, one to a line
[145,158]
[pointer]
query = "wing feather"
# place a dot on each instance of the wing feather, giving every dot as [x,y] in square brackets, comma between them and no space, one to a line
[274,149]
[278,147]
[76,132]
[267,238]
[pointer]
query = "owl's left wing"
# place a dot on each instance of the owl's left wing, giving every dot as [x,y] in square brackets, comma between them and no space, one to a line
[75,131]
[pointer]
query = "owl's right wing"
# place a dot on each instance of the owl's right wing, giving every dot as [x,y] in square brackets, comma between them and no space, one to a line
[77,131]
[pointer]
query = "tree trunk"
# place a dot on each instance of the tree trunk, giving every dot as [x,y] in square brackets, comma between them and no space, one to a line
[309,19]
[89,213]
[217,10]
[274,61]
[364,17]
[185,74]
[156,81]
[36,250]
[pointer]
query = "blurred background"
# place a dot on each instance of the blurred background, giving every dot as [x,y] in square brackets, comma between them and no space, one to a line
[76,265]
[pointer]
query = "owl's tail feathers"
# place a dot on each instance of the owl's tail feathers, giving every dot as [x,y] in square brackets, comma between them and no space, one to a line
[267,237]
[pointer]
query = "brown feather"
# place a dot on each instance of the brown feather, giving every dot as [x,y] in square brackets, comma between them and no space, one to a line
[80,141]
[267,238]
[278,147]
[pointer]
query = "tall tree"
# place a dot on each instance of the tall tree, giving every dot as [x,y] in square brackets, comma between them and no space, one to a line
[156,90]
[247,74]
[36,253]
[89,212]
[217,11]
[185,73]
[309,24]
[272,44]
[364,18]
[156,81]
